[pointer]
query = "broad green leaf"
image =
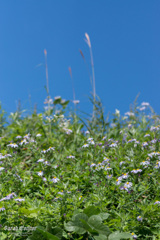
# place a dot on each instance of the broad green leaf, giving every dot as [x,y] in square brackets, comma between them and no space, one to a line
[95,221]
[91,210]
[100,237]
[46,234]
[104,215]
[117,236]
[76,224]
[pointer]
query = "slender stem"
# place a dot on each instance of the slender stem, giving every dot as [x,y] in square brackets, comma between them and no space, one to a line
[46,66]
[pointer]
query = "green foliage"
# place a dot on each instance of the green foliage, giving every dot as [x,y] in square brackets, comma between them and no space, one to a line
[99,184]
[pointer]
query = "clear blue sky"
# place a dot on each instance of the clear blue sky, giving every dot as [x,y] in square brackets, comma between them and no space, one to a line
[125,38]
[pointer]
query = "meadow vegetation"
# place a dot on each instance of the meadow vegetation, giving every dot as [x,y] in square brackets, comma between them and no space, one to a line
[63,177]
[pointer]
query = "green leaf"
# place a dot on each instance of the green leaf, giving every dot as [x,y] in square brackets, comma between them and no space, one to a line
[104,215]
[117,236]
[76,224]
[57,232]
[95,221]
[46,234]
[91,210]
[3,236]
[100,237]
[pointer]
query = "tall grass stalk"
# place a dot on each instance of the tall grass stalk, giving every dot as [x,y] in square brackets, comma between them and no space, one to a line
[87,40]
[46,66]
[73,88]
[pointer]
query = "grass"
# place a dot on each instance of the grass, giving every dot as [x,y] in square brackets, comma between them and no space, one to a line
[54,166]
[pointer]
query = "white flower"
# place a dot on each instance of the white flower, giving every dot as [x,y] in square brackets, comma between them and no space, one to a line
[87,132]
[129,114]
[117,112]
[124,176]
[40,173]
[109,176]
[12,145]
[144,144]
[2,209]
[118,181]
[142,108]
[127,185]
[131,140]
[1,168]
[76,101]
[41,160]
[38,135]
[147,135]
[44,179]
[50,148]
[55,180]
[18,137]
[145,104]
[24,141]
[70,156]
[145,163]
[46,163]
[113,145]
[85,145]
[20,199]
[108,168]
[27,136]
[92,165]
[134,235]
[157,165]
[43,151]
[136,170]
[57,97]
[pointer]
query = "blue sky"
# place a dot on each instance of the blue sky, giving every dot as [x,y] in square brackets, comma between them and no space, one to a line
[125,38]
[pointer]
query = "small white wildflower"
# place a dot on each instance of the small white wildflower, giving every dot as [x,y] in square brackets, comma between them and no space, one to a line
[129,114]
[134,235]
[40,173]
[2,209]
[136,170]
[20,199]
[12,145]
[127,185]
[70,156]
[145,104]
[147,135]
[85,145]
[38,135]
[18,137]
[55,180]
[1,168]
[41,160]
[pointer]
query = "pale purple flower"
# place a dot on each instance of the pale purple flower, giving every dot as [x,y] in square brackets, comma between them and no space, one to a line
[2,209]
[41,160]
[70,156]
[20,199]
[55,180]
[12,145]
[38,135]
[139,218]
[85,145]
